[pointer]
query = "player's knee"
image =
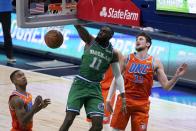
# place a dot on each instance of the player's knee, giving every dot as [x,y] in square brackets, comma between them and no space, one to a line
[69,119]
[97,127]
[97,123]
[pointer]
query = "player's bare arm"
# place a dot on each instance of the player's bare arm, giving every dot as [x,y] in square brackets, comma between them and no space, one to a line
[165,83]
[84,34]
[22,115]
[18,105]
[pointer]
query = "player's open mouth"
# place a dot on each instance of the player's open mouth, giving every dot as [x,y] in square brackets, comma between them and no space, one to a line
[137,44]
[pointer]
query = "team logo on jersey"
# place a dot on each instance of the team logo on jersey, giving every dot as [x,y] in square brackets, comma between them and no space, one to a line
[139,68]
[101,106]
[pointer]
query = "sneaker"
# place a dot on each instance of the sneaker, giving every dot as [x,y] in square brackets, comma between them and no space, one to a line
[12,60]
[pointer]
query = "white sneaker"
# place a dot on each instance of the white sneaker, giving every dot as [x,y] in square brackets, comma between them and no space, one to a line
[12,60]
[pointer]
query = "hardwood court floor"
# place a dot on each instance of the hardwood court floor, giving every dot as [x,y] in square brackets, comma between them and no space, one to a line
[164,115]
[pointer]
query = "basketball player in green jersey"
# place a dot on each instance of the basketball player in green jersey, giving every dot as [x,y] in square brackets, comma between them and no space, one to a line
[85,90]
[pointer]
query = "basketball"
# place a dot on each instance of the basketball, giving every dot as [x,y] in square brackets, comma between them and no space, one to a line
[53,39]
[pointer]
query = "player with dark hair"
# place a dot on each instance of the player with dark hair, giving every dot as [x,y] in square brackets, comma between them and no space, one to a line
[20,103]
[139,69]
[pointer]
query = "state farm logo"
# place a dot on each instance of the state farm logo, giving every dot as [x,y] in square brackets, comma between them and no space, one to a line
[103,12]
[119,14]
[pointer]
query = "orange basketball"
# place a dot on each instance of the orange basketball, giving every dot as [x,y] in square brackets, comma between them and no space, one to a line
[53,39]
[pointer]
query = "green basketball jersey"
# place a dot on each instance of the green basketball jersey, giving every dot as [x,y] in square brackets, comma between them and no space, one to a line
[95,61]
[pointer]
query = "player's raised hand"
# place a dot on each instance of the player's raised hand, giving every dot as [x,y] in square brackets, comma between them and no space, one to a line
[38,101]
[109,107]
[37,104]
[181,70]
[45,103]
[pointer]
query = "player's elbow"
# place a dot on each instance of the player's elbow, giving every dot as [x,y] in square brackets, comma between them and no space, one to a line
[167,87]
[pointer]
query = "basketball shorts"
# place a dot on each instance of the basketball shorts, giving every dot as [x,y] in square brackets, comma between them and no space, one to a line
[87,94]
[138,112]
[107,115]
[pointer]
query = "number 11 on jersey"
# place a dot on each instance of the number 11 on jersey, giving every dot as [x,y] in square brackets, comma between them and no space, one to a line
[96,63]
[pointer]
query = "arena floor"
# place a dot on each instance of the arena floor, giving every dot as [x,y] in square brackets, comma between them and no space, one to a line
[164,115]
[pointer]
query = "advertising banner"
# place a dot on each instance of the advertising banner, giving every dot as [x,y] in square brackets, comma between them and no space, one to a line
[122,12]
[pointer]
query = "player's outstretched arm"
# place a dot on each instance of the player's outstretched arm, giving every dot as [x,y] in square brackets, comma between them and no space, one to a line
[84,34]
[165,83]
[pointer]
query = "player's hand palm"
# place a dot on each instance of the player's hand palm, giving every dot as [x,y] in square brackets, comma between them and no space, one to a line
[38,100]
[181,70]
[109,107]
[45,103]
[37,103]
